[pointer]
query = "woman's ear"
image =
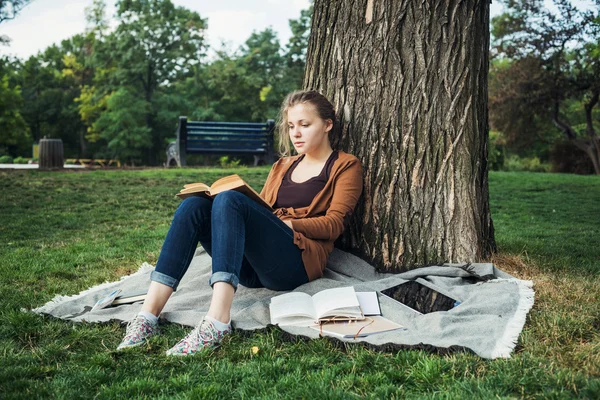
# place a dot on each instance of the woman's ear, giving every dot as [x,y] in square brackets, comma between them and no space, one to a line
[328,125]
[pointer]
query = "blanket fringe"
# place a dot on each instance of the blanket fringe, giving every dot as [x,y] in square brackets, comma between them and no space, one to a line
[58,299]
[506,344]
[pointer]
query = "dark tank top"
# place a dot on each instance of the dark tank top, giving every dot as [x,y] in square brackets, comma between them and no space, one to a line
[298,195]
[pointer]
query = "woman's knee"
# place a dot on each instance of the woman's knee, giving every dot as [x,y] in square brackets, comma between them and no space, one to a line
[194,208]
[228,199]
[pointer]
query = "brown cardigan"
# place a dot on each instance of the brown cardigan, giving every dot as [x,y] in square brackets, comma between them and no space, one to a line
[317,226]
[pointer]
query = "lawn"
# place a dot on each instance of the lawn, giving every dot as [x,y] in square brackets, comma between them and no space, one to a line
[63,232]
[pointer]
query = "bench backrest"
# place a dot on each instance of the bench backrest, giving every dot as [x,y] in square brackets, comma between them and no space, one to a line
[209,137]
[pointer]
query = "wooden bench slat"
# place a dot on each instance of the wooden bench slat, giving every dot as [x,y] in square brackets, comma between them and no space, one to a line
[228,132]
[211,137]
[233,146]
[214,150]
[233,136]
[250,125]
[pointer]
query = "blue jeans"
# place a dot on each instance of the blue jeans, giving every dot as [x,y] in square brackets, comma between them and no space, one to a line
[248,244]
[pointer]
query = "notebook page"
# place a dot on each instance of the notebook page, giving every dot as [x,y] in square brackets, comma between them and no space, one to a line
[292,304]
[331,299]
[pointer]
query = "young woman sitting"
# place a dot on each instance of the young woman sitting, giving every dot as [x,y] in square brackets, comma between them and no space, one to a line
[312,194]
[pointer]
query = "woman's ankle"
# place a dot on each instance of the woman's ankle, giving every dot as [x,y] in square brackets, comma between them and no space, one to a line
[220,304]
[149,316]
[223,318]
[221,326]
[158,295]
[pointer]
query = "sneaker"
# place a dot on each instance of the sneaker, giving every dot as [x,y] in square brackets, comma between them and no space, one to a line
[138,331]
[204,336]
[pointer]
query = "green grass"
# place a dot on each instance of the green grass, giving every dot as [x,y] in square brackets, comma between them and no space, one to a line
[63,232]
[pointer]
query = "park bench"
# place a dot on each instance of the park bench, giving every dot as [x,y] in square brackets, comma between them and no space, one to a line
[228,138]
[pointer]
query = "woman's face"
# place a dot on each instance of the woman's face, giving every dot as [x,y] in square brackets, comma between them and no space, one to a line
[308,132]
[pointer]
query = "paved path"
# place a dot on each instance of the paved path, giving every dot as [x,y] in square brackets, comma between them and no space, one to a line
[33,166]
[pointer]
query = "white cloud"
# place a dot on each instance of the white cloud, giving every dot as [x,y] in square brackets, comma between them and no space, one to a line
[233,26]
[41,24]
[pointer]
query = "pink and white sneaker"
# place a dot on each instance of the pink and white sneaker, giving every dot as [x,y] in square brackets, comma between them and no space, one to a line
[204,336]
[139,330]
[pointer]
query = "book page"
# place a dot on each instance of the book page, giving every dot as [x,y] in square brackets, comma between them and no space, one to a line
[234,182]
[332,299]
[292,304]
[224,180]
[198,185]
[226,183]
[193,188]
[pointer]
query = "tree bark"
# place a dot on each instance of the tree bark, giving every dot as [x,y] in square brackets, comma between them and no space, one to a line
[594,138]
[82,144]
[409,81]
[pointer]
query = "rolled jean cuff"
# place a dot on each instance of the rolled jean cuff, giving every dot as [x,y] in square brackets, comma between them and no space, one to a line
[164,279]
[228,277]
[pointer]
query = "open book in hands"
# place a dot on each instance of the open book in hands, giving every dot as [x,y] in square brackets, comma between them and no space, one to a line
[231,182]
[301,309]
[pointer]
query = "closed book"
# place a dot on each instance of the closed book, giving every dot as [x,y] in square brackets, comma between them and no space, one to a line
[358,329]
[129,298]
[106,300]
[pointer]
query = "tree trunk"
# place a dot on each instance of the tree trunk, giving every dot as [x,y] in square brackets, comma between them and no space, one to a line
[51,153]
[409,80]
[82,144]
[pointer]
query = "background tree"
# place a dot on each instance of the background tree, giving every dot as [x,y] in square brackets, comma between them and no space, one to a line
[249,84]
[124,123]
[15,137]
[9,10]
[90,89]
[548,74]
[409,79]
[14,132]
[154,45]
[48,99]
[296,48]
[78,76]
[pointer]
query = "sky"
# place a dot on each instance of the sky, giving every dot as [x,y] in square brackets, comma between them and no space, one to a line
[44,22]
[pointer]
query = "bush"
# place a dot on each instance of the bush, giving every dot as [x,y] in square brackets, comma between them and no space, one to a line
[6,160]
[529,164]
[21,160]
[226,163]
[496,151]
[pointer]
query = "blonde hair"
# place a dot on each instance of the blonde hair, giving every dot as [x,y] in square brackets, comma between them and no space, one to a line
[323,108]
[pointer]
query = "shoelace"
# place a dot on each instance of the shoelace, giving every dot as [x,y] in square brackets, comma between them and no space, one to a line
[203,331]
[134,325]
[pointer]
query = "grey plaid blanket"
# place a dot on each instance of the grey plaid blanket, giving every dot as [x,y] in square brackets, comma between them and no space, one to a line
[492,313]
